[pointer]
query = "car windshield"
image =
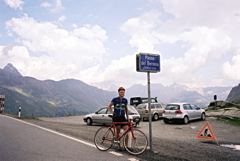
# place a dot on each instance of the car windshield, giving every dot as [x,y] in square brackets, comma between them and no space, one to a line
[132,110]
[172,107]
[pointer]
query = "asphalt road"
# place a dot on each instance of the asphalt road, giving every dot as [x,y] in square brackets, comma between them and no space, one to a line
[170,141]
[24,141]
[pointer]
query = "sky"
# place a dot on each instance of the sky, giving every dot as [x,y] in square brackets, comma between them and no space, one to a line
[96,41]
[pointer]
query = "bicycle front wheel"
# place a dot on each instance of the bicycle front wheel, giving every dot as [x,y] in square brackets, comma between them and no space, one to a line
[103,138]
[136,144]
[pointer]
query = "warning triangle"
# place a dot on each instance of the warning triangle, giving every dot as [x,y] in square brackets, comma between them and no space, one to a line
[206,132]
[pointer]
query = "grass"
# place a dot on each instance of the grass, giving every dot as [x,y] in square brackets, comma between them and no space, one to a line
[30,117]
[24,117]
[229,120]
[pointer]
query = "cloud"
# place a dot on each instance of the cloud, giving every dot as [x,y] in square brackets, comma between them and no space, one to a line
[14,4]
[53,7]
[208,34]
[120,72]
[141,30]
[62,18]
[66,53]
[190,13]
[205,32]
[204,41]
[231,69]
[46,5]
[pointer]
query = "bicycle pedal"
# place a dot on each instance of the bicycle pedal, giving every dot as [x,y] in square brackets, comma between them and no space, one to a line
[116,142]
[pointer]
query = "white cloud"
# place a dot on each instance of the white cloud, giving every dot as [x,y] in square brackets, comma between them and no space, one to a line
[14,4]
[53,7]
[58,6]
[67,52]
[203,42]
[232,69]
[62,18]
[141,31]
[120,72]
[46,5]
[207,32]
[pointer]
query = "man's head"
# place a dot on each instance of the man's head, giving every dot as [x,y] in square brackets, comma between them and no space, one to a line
[121,91]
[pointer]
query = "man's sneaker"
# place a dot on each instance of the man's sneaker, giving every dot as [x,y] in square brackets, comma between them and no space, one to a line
[116,141]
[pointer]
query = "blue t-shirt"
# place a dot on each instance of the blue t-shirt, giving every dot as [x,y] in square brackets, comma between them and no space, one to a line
[119,105]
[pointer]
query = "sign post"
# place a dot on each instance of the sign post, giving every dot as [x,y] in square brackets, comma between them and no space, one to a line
[215,98]
[149,63]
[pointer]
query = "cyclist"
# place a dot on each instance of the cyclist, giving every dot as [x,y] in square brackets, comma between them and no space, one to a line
[120,109]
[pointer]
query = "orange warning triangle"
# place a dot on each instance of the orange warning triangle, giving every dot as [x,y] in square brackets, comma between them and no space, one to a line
[206,132]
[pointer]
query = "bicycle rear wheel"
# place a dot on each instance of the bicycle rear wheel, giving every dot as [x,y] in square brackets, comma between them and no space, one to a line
[103,138]
[136,145]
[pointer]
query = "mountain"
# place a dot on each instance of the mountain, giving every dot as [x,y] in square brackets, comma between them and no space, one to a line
[179,93]
[11,69]
[35,97]
[72,97]
[234,94]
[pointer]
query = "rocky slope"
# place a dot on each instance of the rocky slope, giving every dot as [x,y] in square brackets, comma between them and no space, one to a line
[35,97]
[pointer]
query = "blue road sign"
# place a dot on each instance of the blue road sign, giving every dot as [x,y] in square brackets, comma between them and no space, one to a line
[149,62]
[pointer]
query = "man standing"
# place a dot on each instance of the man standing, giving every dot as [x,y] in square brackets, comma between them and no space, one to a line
[120,109]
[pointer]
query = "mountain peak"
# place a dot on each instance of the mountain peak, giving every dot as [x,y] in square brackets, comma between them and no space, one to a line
[11,69]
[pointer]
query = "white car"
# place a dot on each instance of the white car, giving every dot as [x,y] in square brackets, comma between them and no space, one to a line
[102,116]
[183,111]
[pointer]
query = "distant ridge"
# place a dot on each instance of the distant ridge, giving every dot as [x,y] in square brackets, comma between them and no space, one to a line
[74,97]
[35,97]
[234,94]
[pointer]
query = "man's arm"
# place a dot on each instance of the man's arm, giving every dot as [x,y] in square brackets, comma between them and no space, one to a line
[127,112]
[110,107]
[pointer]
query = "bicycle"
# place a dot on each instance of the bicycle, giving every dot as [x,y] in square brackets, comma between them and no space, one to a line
[134,141]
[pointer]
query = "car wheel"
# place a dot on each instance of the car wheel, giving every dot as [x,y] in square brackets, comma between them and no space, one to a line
[89,121]
[203,117]
[155,117]
[185,120]
[166,121]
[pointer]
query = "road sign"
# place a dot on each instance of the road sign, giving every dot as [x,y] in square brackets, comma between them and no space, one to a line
[206,133]
[148,62]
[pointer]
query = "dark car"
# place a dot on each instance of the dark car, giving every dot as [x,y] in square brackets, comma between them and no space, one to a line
[134,101]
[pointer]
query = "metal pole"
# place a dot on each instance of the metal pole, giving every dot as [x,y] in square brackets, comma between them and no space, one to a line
[149,111]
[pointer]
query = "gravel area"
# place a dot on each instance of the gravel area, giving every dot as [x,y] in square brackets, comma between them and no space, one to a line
[170,141]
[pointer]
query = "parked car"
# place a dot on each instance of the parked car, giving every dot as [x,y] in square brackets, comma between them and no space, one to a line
[156,110]
[102,116]
[134,101]
[183,111]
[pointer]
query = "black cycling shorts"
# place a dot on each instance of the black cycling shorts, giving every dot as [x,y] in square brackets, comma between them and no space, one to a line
[120,119]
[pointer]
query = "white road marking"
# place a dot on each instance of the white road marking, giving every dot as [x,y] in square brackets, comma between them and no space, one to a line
[66,136]
[132,159]
[115,153]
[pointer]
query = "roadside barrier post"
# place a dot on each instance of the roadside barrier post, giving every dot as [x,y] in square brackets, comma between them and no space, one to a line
[19,112]
[2,98]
